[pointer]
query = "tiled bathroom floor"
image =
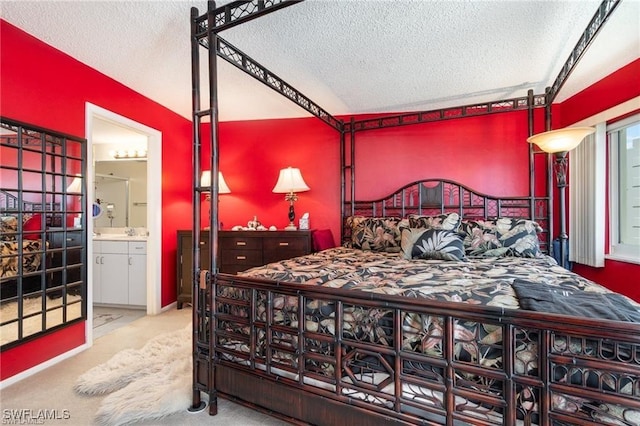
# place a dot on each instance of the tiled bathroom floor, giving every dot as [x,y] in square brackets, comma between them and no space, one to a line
[107,319]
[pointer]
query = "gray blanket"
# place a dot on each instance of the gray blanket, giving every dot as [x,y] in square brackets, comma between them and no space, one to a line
[544,298]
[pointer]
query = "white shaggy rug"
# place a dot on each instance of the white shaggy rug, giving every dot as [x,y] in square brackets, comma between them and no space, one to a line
[143,384]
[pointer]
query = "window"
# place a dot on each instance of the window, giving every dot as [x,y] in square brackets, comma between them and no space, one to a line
[624,178]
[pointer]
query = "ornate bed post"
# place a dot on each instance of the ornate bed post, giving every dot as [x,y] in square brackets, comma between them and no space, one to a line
[212,39]
[343,176]
[550,186]
[204,33]
[532,172]
[197,403]
[560,167]
[195,93]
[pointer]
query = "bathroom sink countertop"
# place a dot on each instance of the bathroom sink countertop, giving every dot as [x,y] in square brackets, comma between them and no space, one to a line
[120,237]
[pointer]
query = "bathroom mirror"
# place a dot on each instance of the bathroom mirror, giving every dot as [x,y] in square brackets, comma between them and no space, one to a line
[121,193]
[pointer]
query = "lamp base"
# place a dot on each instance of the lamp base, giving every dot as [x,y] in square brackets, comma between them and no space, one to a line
[291,227]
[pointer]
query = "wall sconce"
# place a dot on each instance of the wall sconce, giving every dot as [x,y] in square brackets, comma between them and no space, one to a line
[129,154]
[559,142]
[205,182]
[289,182]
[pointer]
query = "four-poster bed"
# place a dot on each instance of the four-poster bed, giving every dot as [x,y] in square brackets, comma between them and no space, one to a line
[415,320]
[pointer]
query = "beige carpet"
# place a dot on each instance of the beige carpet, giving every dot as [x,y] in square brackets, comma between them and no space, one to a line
[33,324]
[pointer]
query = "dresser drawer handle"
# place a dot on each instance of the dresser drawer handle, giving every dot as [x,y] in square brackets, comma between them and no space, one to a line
[241,243]
[202,243]
[241,257]
[283,244]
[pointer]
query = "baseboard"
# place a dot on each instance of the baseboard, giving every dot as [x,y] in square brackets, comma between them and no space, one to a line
[169,307]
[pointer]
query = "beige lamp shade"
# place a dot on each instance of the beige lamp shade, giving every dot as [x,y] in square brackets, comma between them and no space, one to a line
[561,140]
[75,186]
[290,181]
[205,181]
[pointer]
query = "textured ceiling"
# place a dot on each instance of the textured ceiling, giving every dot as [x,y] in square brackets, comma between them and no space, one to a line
[347,56]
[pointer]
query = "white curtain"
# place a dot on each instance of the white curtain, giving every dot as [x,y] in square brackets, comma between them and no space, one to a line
[587,192]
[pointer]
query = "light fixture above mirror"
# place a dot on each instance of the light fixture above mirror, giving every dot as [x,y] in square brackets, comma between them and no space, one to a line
[128,154]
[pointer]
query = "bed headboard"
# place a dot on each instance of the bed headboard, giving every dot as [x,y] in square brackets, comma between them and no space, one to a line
[438,196]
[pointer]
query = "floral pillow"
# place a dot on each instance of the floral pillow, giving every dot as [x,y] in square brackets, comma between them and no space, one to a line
[501,237]
[420,243]
[449,222]
[8,228]
[375,233]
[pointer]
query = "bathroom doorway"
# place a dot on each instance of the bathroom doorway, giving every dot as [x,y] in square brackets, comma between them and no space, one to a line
[99,120]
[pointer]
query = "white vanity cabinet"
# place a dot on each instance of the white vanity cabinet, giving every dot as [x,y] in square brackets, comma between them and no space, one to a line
[137,269]
[119,272]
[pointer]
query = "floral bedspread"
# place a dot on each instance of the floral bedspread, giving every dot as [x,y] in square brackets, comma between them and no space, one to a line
[483,281]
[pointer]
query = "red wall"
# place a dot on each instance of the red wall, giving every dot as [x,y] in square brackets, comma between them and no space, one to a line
[613,90]
[251,155]
[618,87]
[490,152]
[34,352]
[45,87]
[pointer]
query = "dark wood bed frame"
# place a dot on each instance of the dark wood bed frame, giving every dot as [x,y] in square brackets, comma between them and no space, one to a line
[605,350]
[602,357]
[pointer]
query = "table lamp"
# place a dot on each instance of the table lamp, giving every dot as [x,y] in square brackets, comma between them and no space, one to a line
[290,182]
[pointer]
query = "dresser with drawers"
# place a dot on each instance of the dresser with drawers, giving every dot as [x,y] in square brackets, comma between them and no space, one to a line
[239,251]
